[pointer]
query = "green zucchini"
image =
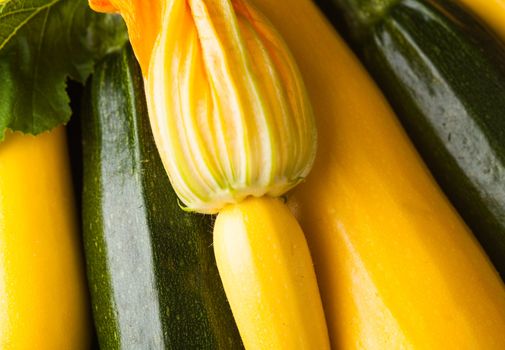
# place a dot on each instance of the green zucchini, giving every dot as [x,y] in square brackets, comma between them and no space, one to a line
[151,269]
[444,75]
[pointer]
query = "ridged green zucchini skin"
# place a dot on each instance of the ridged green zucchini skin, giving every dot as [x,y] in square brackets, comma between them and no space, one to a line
[151,269]
[444,75]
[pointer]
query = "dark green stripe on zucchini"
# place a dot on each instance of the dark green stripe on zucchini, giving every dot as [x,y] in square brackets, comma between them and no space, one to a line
[151,268]
[444,74]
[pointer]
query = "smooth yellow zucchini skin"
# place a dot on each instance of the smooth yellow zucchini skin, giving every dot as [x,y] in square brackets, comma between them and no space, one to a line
[397,268]
[491,12]
[268,277]
[43,299]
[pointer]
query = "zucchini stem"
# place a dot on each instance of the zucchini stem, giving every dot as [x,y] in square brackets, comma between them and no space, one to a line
[361,15]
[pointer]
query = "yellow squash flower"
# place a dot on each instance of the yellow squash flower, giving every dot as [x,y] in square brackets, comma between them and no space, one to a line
[228,107]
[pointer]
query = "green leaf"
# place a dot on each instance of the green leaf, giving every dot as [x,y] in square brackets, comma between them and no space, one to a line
[42,44]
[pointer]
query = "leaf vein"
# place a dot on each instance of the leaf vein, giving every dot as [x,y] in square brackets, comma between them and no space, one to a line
[36,69]
[22,23]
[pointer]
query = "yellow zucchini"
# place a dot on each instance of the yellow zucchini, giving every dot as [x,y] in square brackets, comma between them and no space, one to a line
[266,269]
[43,298]
[396,266]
